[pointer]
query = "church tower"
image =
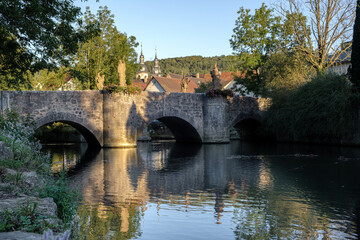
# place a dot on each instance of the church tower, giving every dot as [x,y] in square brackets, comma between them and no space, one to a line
[142,74]
[156,70]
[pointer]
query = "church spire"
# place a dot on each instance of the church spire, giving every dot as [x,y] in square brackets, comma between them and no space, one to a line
[156,61]
[142,56]
[156,70]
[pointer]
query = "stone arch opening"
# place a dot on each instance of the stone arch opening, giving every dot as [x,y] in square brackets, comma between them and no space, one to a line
[86,133]
[247,129]
[181,129]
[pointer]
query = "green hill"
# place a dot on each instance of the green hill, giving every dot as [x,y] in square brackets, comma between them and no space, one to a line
[194,64]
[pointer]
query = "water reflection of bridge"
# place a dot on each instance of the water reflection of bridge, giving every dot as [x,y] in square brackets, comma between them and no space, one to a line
[143,175]
[218,177]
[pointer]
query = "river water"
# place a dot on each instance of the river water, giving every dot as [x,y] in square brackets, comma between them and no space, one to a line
[241,190]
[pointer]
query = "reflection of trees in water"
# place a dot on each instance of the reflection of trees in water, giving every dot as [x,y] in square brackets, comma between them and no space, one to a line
[65,157]
[120,222]
[268,196]
[279,219]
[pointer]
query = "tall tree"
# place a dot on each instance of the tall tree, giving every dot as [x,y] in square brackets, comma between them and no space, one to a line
[355,55]
[330,22]
[97,59]
[40,33]
[256,37]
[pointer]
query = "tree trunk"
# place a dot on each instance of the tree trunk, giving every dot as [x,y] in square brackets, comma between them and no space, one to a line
[122,73]
[355,55]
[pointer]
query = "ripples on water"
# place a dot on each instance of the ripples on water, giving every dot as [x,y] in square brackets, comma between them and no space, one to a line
[240,190]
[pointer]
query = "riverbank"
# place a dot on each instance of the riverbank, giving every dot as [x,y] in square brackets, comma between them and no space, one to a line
[32,199]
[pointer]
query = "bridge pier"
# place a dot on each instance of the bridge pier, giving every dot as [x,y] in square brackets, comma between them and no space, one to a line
[216,115]
[119,121]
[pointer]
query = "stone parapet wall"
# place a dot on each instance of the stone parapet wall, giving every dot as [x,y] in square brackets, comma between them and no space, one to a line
[83,108]
[119,120]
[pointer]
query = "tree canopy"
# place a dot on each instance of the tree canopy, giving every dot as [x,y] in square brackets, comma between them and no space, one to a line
[35,34]
[39,32]
[319,37]
[257,38]
[97,59]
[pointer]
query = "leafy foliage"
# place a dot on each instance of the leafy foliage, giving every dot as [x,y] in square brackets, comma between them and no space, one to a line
[220,93]
[52,80]
[100,55]
[194,64]
[17,133]
[321,109]
[285,71]
[35,34]
[25,218]
[66,199]
[119,89]
[204,87]
[256,38]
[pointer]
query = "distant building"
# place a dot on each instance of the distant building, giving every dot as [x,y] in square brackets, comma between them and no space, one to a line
[142,74]
[168,84]
[343,62]
[154,82]
[156,71]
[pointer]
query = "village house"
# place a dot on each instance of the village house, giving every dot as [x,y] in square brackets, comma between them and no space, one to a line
[343,61]
[171,82]
[168,84]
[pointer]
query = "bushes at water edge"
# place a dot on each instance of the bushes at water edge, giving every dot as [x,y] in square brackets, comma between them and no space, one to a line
[320,110]
[17,133]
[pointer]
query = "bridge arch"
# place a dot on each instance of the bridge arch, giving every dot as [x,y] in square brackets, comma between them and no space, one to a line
[92,135]
[182,127]
[247,126]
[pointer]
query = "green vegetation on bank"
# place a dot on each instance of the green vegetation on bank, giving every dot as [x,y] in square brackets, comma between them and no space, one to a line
[320,110]
[17,133]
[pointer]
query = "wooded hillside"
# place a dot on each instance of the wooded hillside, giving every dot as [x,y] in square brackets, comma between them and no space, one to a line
[194,64]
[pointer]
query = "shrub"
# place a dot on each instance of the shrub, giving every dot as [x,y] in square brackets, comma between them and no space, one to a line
[119,89]
[320,109]
[220,93]
[25,218]
[66,199]
[18,134]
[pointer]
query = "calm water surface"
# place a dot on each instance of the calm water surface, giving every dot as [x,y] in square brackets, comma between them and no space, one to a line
[240,190]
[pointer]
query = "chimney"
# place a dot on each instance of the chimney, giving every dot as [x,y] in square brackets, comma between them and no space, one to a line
[168,76]
[197,75]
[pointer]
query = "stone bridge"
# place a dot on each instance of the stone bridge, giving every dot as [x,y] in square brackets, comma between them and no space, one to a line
[120,120]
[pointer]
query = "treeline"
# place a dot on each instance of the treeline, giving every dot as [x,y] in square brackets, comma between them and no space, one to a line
[281,61]
[43,51]
[195,64]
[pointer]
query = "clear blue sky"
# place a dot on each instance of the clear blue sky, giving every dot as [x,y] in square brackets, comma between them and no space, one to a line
[177,28]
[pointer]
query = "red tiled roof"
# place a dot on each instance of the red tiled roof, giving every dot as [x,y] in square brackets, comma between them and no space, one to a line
[139,83]
[226,77]
[173,84]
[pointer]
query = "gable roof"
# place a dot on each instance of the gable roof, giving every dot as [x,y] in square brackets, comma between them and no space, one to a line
[226,77]
[172,84]
[139,83]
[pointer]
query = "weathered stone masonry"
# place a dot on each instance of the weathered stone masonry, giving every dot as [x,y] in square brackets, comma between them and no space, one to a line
[119,120]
